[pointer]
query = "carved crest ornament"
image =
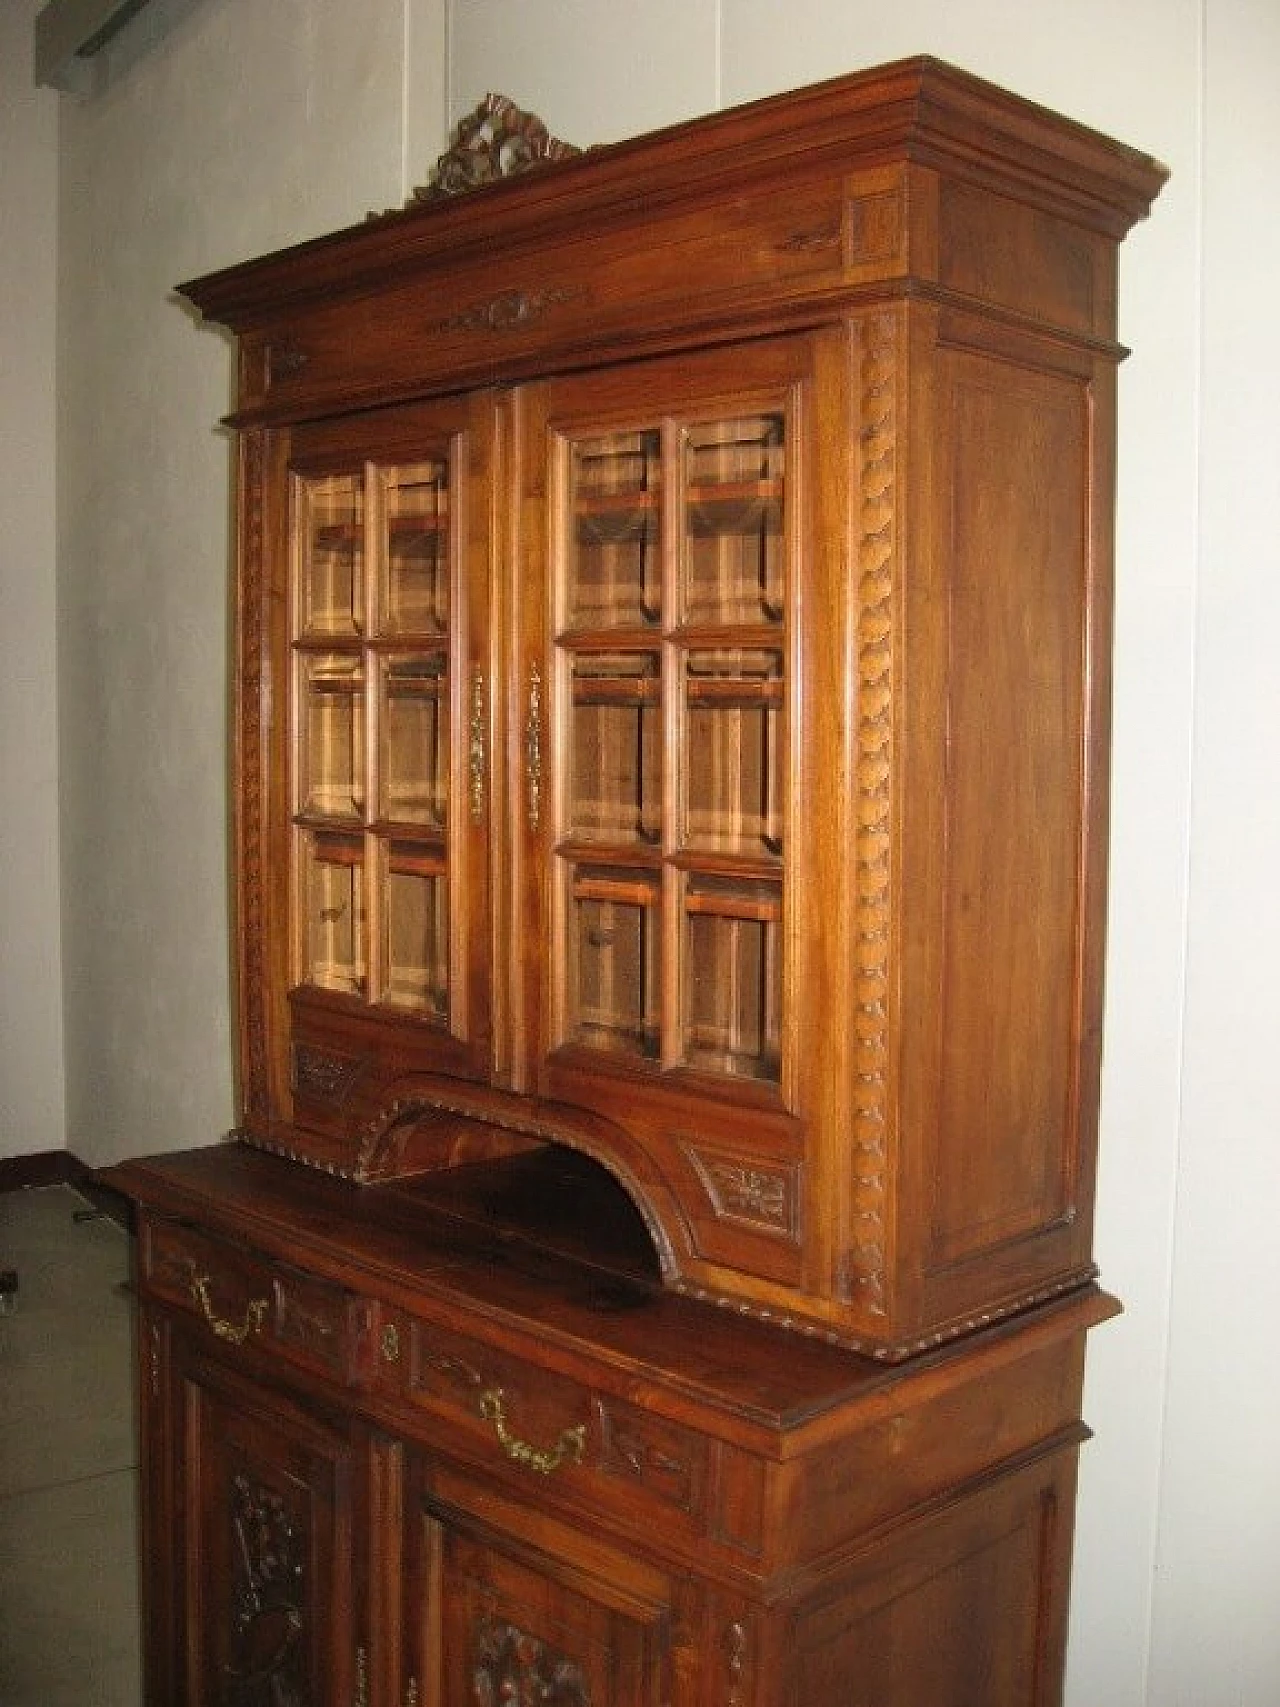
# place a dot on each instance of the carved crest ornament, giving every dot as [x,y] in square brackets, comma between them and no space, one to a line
[498,140]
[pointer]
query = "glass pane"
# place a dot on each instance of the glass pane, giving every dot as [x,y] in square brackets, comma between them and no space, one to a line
[732,977]
[416,922]
[615,568]
[614,974]
[415,591]
[331,542]
[415,740]
[732,786]
[616,763]
[733,549]
[331,759]
[333,913]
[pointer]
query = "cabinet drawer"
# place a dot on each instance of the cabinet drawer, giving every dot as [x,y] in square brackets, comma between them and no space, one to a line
[562,1433]
[248,1299]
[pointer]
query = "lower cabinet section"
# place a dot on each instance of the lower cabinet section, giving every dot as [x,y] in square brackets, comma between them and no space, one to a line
[297,1558]
[479,1479]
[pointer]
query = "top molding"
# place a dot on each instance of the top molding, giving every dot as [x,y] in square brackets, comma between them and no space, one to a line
[920,110]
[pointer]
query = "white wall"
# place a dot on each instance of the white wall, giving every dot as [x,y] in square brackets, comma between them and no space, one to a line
[1217,1631]
[253,125]
[248,127]
[32,1116]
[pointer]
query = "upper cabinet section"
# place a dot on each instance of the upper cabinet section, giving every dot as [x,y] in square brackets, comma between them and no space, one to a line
[756,219]
[673,657]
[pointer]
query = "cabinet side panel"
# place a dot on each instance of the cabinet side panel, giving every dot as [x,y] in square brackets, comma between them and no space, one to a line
[1014,509]
[963,1608]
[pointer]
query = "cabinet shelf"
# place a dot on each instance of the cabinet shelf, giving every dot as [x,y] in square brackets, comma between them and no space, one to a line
[616,690]
[431,687]
[401,531]
[336,843]
[638,855]
[417,860]
[737,507]
[634,892]
[759,908]
[732,507]
[731,693]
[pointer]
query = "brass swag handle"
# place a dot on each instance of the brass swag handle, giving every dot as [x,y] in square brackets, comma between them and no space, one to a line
[569,1448]
[533,747]
[255,1312]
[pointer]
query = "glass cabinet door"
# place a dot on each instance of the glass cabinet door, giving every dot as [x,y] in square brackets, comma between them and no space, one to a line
[671,576]
[384,789]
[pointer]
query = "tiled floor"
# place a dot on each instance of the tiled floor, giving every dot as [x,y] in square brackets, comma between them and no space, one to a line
[68,1477]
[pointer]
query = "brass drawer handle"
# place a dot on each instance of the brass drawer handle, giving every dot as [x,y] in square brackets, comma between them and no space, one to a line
[569,1448]
[255,1312]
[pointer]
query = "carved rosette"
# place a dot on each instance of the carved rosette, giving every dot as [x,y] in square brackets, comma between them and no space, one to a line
[254,1068]
[753,1193]
[515,1669]
[876,355]
[263,1666]
[498,140]
[325,1075]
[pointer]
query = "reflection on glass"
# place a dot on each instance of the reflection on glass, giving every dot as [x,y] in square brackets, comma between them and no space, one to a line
[332,754]
[416,944]
[331,541]
[333,913]
[415,740]
[732,789]
[615,569]
[616,746]
[732,978]
[415,591]
[733,495]
[614,974]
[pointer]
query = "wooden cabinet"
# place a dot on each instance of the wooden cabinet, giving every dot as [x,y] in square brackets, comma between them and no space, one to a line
[673,621]
[391,1457]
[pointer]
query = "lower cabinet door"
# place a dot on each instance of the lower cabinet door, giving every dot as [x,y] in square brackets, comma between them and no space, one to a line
[506,1610]
[265,1547]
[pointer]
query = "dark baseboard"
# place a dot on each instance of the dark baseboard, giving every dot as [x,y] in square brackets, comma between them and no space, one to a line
[60,1167]
[47,1167]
